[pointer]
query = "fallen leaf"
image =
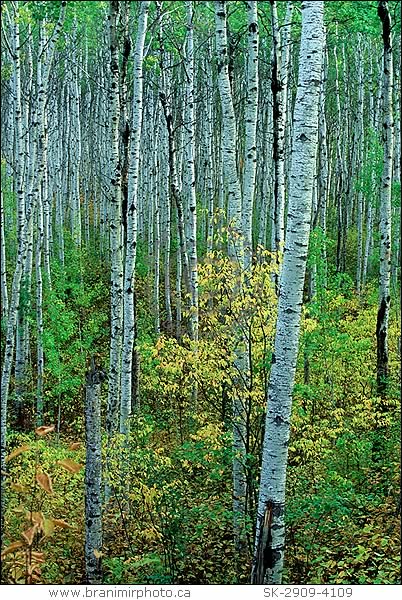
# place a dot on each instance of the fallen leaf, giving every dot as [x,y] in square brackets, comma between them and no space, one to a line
[74,446]
[97,554]
[18,451]
[44,429]
[38,556]
[61,523]
[18,487]
[11,548]
[45,482]
[70,465]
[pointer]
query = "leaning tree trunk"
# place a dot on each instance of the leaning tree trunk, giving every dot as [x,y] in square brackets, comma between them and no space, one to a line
[385,204]
[270,530]
[93,477]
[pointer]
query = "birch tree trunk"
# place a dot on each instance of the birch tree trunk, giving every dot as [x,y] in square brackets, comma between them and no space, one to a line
[270,529]
[93,477]
[385,203]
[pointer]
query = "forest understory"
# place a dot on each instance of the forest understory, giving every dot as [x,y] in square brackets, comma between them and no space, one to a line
[200,292]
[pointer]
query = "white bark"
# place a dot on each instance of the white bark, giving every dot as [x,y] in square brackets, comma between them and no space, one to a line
[236,254]
[210,192]
[280,71]
[250,160]
[323,166]
[4,287]
[270,531]
[367,247]
[229,139]
[132,208]
[93,477]
[385,203]
[116,233]
[156,215]
[76,148]
[192,201]
[360,156]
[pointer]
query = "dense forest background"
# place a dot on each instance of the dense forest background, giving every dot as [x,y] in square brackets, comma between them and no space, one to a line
[200,215]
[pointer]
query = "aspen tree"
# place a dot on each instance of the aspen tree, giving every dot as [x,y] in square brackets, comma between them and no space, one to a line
[367,246]
[4,286]
[385,203]
[192,201]
[167,227]
[267,167]
[279,85]
[116,233]
[210,192]
[340,184]
[76,143]
[93,476]
[270,528]
[40,234]
[22,346]
[59,209]
[323,167]
[129,330]
[156,215]
[18,115]
[22,252]
[20,148]
[360,156]
[250,159]
[236,254]
[174,183]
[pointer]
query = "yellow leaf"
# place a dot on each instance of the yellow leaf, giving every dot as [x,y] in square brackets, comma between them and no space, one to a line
[70,465]
[11,548]
[48,526]
[97,554]
[45,482]
[44,429]
[37,519]
[18,451]
[18,487]
[61,523]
